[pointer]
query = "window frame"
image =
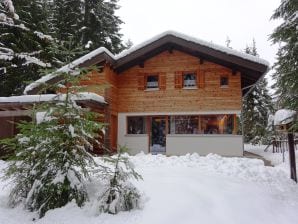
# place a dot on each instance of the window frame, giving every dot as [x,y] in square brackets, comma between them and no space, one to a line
[220,81]
[204,127]
[185,73]
[146,81]
[145,128]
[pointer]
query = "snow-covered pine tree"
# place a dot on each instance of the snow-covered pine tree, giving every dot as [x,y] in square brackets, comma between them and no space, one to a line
[101,27]
[21,51]
[34,14]
[52,156]
[257,106]
[66,17]
[286,67]
[120,194]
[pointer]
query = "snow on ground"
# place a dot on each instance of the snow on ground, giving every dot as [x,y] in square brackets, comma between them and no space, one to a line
[186,189]
[277,159]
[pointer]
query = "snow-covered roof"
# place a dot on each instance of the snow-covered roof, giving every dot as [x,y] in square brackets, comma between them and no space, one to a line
[115,58]
[194,40]
[67,68]
[51,97]
[284,116]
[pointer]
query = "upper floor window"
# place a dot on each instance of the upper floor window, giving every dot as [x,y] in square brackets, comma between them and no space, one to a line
[224,81]
[152,82]
[190,79]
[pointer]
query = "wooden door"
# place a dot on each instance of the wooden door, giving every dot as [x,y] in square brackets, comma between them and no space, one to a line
[158,131]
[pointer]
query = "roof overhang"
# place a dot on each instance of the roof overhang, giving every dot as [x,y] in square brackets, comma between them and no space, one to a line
[252,68]
[22,105]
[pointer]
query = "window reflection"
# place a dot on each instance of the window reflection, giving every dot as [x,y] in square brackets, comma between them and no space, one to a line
[136,125]
[202,124]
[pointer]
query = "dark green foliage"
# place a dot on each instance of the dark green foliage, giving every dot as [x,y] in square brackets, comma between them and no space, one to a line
[257,106]
[66,19]
[26,40]
[286,67]
[52,156]
[21,53]
[101,26]
[120,194]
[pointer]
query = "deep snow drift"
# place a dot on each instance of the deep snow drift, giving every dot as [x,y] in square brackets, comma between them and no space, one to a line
[186,189]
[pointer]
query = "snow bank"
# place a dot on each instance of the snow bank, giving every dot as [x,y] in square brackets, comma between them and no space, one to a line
[51,97]
[284,116]
[187,189]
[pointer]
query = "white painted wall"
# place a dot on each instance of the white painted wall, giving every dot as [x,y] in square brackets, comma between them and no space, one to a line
[135,143]
[225,145]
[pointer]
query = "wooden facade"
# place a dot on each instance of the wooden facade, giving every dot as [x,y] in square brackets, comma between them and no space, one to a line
[123,81]
[126,92]
[172,97]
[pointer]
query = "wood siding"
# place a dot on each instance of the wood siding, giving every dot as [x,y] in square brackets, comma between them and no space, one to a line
[105,84]
[171,98]
[125,92]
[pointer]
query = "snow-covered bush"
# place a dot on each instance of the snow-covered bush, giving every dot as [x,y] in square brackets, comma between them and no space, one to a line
[120,194]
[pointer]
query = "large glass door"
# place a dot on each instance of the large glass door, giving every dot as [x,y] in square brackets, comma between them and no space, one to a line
[158,135]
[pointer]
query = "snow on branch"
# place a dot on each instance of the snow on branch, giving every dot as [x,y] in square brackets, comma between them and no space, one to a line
[10,8]
[284,116]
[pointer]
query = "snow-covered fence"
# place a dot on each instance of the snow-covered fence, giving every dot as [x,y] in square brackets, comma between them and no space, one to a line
[282,145]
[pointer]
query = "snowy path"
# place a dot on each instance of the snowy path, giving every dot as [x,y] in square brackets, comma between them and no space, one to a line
[190,189]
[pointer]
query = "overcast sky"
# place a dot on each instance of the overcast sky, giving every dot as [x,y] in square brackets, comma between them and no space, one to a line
[211,20]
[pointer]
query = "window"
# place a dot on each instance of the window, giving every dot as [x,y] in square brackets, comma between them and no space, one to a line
[152,82]
[224,81]
[189,79]
[217,124]
[203,124]
[184,124]
[136,125]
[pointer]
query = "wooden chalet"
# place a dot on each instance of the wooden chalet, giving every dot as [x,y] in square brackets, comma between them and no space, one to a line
[172,94]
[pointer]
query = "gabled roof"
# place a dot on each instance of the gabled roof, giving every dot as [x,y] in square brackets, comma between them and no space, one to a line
[251,67]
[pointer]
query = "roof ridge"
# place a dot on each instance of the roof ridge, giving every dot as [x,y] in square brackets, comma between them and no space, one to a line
[143,44]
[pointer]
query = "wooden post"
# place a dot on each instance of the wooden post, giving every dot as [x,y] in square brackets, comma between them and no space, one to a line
[292,156]
[235,125]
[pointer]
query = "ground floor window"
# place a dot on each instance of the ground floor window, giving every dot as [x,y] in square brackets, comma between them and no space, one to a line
[202,124]
[136,125]
[183,124]
[217,124]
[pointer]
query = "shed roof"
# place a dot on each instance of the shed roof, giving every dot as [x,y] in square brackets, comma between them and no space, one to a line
[25,102]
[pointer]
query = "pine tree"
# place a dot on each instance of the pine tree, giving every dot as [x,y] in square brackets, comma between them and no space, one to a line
[52,156]
[101,26]
[66,19]
[21,51]
[257,106]
[286,67]
[51,163]
[120,194]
